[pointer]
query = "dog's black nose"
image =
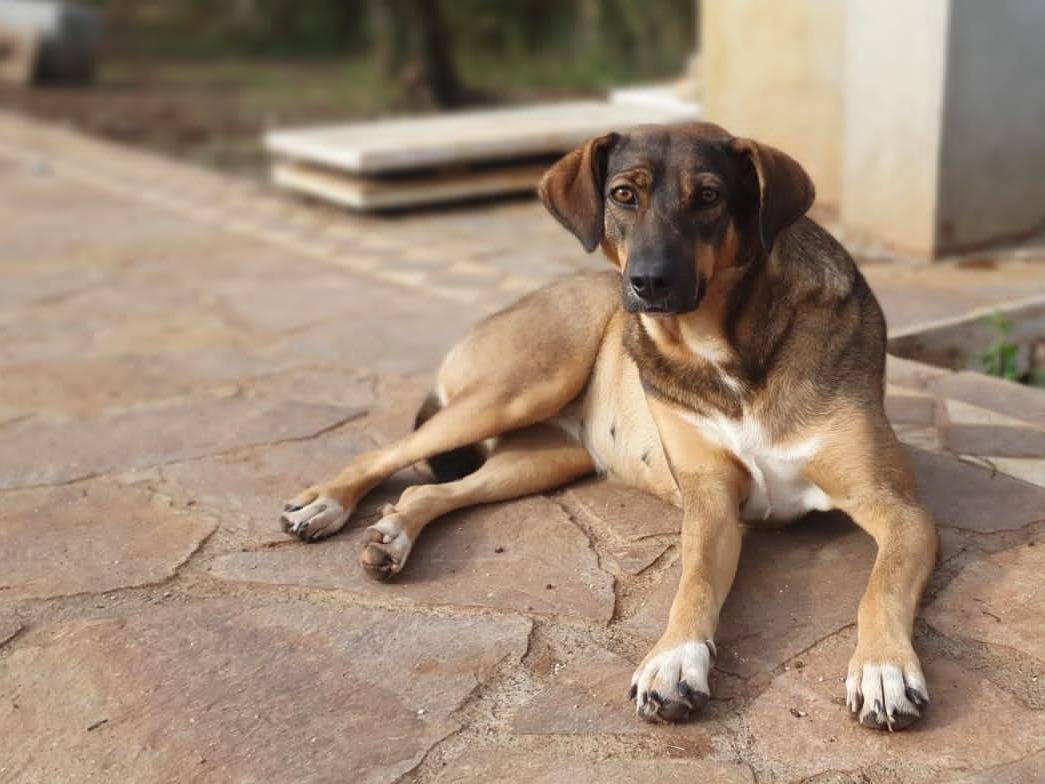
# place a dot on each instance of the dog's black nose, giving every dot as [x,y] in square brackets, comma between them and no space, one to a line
[650,286]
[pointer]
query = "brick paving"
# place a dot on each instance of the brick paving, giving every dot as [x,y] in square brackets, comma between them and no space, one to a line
[179,352]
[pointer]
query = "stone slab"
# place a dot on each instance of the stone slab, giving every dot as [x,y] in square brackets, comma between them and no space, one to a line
[9,627]
[548,767]
[997,600]
[1029,470]
[629,514]
[546,565]
[463,137]
[46,452]
[964,496]
[82,385]
[1005,397]
[951,735]
[909,409]
[630,517]
[221,691]
[1029,770]
[586,696]
[589,697]
[247,492]
[995,440]
[91,538]
[910,373]
[794,585]
[390,193]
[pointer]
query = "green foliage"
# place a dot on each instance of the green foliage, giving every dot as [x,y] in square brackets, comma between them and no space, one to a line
[1000,357]
[497,45]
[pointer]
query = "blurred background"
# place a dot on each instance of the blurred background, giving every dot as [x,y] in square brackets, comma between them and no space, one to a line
[920,123]
[202,80]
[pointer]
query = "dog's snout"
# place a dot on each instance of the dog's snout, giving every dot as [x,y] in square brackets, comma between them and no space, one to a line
[660,283]
[650,285]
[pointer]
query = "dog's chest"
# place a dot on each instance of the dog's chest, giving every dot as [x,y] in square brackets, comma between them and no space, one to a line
[779,489]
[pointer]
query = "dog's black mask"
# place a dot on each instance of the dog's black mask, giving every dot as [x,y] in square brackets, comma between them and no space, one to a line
[671,204]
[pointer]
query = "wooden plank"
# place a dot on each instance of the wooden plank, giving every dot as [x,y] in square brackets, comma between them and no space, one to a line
[465,137]
[389,193]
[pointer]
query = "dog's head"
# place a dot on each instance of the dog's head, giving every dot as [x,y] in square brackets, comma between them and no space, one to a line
[673,204]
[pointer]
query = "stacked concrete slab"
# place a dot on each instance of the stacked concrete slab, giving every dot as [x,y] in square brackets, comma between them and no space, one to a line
[424,160]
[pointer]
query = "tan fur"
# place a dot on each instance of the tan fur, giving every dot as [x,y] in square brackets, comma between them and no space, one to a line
[567,383]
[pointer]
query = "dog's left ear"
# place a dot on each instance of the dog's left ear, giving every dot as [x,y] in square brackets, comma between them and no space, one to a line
[572,189]
[785,192]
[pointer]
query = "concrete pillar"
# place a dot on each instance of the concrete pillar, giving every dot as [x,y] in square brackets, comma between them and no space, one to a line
[894,67]
[772,70]
[923,122]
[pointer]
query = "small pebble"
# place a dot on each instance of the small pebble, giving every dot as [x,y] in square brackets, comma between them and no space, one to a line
[498,549]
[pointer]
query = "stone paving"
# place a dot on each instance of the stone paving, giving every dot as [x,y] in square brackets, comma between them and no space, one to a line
[180,352]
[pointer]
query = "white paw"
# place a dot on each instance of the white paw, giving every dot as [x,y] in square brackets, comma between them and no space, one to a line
[314,520]
[670,684]
[886,696]
[386,546]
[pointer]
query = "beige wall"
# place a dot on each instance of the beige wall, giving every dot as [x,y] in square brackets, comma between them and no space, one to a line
[923,121]
[772,70]
[895,60]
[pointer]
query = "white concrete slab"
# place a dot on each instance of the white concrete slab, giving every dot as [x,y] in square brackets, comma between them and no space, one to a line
[465,137]
[376,194]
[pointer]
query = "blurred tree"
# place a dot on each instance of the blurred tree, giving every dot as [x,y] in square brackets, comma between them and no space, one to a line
[413,45]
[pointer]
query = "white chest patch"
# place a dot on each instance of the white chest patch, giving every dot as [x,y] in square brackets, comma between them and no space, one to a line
[779,491]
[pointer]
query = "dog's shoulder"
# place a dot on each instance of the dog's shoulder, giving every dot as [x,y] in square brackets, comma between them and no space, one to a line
[815,262]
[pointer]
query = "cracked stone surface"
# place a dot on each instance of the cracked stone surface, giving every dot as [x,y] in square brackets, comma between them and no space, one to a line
[48,452]
[91,537]
[182,352]
[975,498]
[549,768]
[951,735]
[229,691]
[996,600]
[794,586]
[630,518]
[459,554]
[9,627]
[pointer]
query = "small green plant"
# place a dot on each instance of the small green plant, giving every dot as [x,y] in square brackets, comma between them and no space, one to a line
[1000,357]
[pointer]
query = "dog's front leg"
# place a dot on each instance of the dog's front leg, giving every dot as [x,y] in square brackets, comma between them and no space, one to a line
[866,474]
[673,679]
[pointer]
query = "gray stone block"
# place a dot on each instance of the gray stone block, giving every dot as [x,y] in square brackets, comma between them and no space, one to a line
[47,42]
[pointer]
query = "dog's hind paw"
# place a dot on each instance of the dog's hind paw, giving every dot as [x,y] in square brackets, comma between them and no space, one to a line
[886,696]
[386,546]
[314,519]
[672,683]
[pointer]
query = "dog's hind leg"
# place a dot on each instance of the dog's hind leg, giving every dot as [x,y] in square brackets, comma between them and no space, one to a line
[537,458]
[517,368]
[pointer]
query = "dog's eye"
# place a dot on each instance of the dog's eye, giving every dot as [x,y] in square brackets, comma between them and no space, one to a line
[622,194]
[708,196]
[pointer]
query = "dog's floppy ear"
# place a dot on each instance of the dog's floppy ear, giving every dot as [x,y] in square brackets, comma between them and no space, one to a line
[572,189]
[785,192]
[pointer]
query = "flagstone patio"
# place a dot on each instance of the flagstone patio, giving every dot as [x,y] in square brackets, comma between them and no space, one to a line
[179,352]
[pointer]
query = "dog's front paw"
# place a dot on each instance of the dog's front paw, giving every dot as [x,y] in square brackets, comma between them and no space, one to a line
[886,692]
[672,681]
[313,516]
[386,546]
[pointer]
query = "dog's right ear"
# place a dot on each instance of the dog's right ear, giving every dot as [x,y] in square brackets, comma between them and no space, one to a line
[572,189]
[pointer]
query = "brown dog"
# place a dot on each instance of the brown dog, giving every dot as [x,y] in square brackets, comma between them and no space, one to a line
[732,364]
